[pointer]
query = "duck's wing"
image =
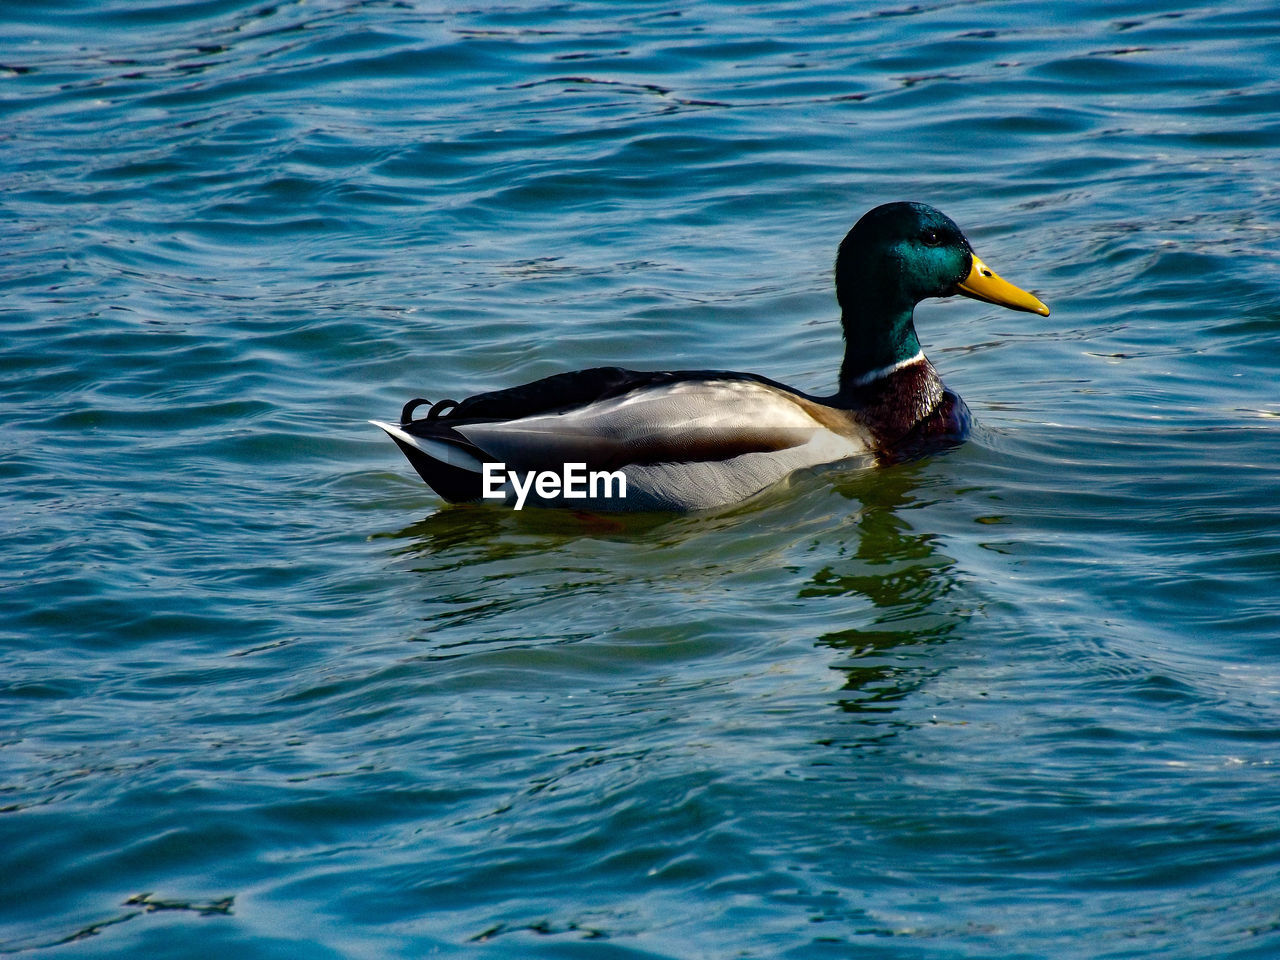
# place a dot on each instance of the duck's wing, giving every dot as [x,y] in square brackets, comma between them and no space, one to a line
[684,440]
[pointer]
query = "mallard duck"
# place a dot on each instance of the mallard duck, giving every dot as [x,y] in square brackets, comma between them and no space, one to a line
[609,438]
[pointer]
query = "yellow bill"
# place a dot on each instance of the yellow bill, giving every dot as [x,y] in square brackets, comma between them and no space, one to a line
[982,283]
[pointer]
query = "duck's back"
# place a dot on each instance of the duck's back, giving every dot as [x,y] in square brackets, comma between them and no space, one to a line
[683,440]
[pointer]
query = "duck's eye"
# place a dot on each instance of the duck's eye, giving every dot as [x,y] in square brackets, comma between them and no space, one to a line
[931,238]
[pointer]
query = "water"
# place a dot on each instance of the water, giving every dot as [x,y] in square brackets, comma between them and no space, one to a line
[262,695]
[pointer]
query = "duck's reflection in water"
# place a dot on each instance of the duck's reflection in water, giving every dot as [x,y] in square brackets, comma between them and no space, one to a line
[910,584]
[492,578]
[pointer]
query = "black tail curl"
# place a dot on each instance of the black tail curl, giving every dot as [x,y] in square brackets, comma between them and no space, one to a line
[438,409]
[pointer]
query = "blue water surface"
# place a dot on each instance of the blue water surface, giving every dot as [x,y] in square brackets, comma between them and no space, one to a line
[263,695]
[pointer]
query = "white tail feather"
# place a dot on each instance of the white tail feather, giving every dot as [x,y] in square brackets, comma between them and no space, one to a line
[444,452]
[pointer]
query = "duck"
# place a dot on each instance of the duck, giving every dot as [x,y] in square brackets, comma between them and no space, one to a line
[609,438]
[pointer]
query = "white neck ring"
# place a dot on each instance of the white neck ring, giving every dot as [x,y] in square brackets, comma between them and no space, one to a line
[871,376]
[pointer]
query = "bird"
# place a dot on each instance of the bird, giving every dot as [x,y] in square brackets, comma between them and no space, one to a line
[609,438]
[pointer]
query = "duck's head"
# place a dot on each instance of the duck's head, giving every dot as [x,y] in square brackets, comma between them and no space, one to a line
[895,256]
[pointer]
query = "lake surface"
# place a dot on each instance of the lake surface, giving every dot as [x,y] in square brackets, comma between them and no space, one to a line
[263,695]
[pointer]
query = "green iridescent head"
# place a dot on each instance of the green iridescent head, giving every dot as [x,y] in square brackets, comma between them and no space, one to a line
[895,256]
